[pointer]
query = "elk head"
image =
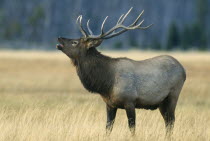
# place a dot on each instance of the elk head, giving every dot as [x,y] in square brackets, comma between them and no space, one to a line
[74,48]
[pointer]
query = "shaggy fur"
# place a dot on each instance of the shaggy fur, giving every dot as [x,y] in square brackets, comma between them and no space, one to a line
[96,72]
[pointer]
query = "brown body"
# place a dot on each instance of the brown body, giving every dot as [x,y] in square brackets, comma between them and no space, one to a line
[125,83]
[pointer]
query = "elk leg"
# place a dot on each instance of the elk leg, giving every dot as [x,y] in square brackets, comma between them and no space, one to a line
[130,111]
[111,114]
[167,109]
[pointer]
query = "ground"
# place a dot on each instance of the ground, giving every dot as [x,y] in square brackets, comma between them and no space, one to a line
[41,98]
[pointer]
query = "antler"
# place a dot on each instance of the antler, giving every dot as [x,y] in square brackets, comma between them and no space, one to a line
[79,22]
[112,32]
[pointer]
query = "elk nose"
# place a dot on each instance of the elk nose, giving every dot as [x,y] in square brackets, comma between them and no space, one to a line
[59,46]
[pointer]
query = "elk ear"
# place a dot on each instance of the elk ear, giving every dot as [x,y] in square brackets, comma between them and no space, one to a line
[93,43]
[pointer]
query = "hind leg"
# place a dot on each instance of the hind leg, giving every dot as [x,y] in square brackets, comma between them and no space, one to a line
[131,114]
[167,109]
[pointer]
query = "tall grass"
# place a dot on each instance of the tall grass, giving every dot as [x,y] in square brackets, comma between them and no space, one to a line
[41,98]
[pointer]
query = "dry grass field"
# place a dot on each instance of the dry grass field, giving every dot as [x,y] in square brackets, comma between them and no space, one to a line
[41,99]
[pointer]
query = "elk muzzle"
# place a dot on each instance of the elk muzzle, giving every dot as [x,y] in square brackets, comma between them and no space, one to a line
[61,45]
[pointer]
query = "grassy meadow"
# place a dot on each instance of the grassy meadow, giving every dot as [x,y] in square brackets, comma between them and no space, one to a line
[41,99]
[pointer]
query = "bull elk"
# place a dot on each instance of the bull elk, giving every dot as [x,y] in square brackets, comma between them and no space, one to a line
[122,82]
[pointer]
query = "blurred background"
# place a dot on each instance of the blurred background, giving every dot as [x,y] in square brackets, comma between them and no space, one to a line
[35,24]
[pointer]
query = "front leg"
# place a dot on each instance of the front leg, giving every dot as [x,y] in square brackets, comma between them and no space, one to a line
[111,114]
[131,114]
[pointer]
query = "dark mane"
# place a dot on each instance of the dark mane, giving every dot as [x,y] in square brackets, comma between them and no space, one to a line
[96,71]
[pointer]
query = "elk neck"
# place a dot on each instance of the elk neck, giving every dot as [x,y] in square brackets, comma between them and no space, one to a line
[96,72]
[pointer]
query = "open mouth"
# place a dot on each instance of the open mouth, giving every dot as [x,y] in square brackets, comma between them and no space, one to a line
[61,43]
[59,46]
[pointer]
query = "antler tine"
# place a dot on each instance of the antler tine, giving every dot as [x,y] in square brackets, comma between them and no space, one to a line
[124,29]
[145,27]
[102,26]
[137,26]
[118,25]
[123,19]
[78,19]
[88,27]
[120,19]
[79,22]
[137,19]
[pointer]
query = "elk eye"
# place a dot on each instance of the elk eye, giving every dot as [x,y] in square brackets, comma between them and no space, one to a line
[74,43]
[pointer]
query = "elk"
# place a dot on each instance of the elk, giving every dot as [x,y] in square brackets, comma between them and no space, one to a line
[122,82]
